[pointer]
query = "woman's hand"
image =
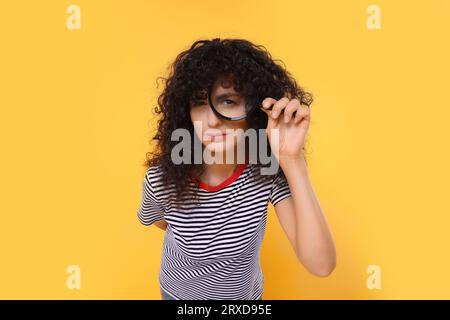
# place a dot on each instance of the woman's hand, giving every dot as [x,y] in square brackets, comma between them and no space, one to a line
[292,128]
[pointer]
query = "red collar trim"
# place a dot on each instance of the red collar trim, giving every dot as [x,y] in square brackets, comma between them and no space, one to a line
[236,174]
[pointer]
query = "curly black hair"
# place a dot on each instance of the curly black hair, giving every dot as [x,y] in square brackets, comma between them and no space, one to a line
[254,72]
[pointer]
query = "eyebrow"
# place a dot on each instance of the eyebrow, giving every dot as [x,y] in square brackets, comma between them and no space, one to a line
[226,95]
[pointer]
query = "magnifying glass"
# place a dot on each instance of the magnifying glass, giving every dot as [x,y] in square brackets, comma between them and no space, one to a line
[233,107]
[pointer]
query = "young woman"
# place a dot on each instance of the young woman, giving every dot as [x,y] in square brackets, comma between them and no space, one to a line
[215,213]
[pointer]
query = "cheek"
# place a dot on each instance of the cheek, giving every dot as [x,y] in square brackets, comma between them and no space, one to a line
[239,128]
[242,125]
[193,114]
[198,113]
[197,118]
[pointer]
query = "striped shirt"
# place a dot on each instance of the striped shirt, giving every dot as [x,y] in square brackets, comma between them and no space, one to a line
[211,249]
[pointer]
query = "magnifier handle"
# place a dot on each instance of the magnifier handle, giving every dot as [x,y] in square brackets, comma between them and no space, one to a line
[271,107]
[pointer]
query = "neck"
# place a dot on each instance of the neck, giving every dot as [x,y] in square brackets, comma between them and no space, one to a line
[215,173]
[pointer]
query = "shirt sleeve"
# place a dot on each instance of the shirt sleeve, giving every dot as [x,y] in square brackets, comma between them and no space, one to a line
[280,188]
[150,209]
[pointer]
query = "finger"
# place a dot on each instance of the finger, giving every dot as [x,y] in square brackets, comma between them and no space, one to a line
[291,107]
[268,102]
[303,112]
[279,106]
[267,111]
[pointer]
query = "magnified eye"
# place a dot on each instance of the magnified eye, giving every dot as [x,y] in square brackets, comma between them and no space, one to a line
[228,101]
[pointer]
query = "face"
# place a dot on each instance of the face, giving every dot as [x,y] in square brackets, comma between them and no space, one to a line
[217,134]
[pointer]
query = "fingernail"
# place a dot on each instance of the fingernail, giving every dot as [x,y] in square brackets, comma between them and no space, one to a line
[274,114]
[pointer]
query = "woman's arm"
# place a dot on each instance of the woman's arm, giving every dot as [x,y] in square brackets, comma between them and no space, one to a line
[303,220]
[162,224]
[300,215]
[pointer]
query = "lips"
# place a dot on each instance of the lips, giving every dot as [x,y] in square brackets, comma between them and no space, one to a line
[220,137]
[216,137]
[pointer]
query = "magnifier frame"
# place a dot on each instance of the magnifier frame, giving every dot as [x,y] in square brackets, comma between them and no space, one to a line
[229,118]
[239,117]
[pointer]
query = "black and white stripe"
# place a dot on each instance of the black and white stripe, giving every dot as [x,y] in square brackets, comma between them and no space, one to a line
[212,248]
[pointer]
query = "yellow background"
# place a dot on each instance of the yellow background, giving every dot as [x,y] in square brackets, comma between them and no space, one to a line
[76,118]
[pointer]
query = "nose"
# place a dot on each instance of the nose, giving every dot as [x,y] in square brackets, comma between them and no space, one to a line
[213,119]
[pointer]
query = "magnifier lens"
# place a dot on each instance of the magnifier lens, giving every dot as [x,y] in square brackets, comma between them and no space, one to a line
[231,106]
